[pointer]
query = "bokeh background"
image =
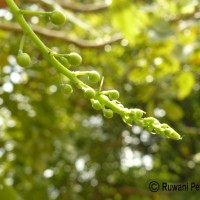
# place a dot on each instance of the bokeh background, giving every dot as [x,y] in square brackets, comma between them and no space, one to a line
[56,147]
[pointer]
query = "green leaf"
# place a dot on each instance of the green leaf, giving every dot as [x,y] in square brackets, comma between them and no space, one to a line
[8,193]
[173,111]
[128,19]
[184,82]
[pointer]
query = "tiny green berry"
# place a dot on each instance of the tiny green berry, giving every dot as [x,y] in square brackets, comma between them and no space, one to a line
[127,120]
[68,89]
[57,17]
[96,104]
[113,94]
[89,93]
[108,113]
[74,59]
[23,59]
[94,77]
[65,62]
[149,121]
[164,126]
[136,113]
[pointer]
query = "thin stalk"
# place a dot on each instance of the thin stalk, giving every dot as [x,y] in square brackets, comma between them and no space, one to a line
[21,46]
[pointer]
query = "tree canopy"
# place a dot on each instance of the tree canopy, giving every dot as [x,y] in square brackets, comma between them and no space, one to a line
[56,146]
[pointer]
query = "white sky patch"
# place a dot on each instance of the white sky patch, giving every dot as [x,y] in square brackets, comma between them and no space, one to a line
[136,129]
[80,164]
[145,136]
[15,77]
[53,88]
[93,121]
[34,20]
[128,139]
[159,112]
[149,79]
[158,61]
[7,87]
[48,173]
[187,49]
[130,158]
[147,162]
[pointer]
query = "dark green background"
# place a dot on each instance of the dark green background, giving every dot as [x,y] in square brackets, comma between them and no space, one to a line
[55,146]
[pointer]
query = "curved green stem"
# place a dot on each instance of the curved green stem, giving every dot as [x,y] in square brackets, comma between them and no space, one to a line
[45,50]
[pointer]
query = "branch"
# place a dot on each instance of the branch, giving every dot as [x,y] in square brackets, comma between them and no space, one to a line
[11,26]
[195,14]
[80,7]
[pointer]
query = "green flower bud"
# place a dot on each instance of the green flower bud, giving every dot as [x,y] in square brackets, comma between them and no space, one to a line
[136,113]
[67,88]
[89,93]
[113,94]
[23,59]
[108,113]
[96,104]
[94,77]
[57,17]
[74,59]
[64,62]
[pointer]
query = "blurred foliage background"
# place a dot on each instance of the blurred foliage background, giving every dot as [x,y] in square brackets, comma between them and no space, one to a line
[55,146]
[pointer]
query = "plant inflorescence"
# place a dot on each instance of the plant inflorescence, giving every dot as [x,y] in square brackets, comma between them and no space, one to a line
[100,100]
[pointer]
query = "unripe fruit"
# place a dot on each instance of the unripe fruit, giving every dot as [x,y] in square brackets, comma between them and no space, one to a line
[57,17]
[23,59]
[74,59]
[136,113]
[94,77]
[68,89]
[96,104]
[89,93]
[108,113]
[113,94]
[127,120]
[65,62]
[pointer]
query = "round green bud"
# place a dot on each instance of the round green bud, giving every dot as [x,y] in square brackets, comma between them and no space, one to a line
[96,104]
[23,59]
[64,62]
[150,121]
[139,122]
[94,77]
[136,113]
[174,135]
[127,120]
[158,129]
[68,89]
[89,93]
[164,126]
[113,94]
[149,128]
[57,17]
[74,59]
[108,113]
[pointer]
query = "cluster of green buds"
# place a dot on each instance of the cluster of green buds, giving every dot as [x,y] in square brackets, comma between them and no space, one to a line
[56,17]
[149,123]
[107,101]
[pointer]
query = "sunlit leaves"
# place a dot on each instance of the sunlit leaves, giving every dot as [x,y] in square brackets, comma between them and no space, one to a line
[184,82]
[8,193]
[128,19]
[173,111]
